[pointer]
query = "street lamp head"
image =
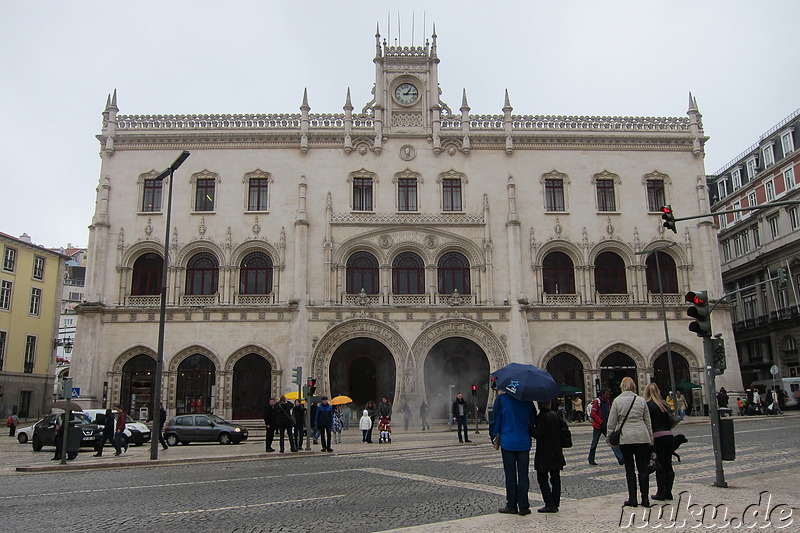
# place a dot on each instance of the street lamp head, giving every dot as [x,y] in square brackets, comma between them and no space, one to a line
[173,167]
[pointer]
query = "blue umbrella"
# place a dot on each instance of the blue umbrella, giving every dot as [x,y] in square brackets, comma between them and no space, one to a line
[526,382]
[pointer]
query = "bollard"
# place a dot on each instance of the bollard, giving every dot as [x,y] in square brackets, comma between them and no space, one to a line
[727,441]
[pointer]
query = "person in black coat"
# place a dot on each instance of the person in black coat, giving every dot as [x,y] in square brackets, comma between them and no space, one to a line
[299,414]
[548,460]
[108,433]
[285,421]
[270,421]
[662,440]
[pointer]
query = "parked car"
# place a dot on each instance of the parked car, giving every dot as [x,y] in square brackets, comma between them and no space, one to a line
[25,434]
[203,428]
[44,431]
[135,432]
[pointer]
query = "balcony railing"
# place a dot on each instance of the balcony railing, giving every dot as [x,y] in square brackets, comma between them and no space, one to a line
[561,299]
[254,299]
[144,301]
[613,299]
[201,300]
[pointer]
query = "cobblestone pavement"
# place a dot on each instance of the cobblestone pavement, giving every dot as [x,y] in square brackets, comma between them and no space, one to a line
[422,481]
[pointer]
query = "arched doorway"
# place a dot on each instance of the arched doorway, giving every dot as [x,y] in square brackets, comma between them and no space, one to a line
[363,369]
[252,387]
[566,369]
[195,385]
[137,384]
[681,369]
[613,368]
[453,365]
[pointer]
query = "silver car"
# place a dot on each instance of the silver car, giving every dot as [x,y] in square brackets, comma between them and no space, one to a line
[203,428]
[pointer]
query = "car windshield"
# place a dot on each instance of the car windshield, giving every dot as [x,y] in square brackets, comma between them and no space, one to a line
[218,420]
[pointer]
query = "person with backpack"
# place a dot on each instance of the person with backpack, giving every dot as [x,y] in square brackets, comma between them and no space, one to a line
[12,425]
[548,460]
[598,414]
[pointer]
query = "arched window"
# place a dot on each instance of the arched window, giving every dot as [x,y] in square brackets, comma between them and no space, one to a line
[255,274]
[558,273]
[669,274]
[362,273]
[202,274]
[194,385]
[147,271]
[609,274]
[408,274]
[453,273]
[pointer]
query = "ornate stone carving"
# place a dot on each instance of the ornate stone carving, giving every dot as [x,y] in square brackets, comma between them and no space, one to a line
[407,152]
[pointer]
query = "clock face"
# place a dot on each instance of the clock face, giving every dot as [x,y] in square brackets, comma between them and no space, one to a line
[406,94]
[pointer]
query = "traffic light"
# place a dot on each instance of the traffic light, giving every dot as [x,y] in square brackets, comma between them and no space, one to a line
[493,383]
[297,376]
[718,349]
[781,277]
[474,390]
[700,312]
[669,218]
[312,386]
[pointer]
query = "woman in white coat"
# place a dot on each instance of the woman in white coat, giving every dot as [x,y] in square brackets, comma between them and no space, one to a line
[635,441]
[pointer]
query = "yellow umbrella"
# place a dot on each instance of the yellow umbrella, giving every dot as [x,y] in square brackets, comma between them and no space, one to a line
[294,395]
[341,400]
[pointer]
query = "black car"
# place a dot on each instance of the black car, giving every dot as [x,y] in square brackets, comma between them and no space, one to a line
[44,432]
[205,428]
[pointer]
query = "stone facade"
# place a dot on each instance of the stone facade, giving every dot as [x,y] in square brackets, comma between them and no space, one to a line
[411,189]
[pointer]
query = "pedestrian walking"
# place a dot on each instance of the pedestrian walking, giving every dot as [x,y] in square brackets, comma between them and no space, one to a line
[12,423]
[120,440]
[577,409]
[722,397]
[372,409]
[299,414]
[337,425]
[459,413]
[510,433]
[406,410]
[108,433]
[548,460]
[630,414]
[347,414]
[270,421]
[324,423]
[661,425]
[284,422]
[159,426]
[314,428]
[365,425]
[682,406]
[598,415]
[424,412]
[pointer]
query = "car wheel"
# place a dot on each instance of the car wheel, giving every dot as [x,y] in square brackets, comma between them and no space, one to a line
[224,438]
[172,439]
[22,438]
[185,442]
[37,444]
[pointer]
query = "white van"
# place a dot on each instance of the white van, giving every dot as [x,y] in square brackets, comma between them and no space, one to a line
[790,385]
[136,432]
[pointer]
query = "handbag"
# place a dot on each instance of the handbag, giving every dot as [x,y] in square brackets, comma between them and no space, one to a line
[613,438]
[674,419]
[653,465]
[566,436]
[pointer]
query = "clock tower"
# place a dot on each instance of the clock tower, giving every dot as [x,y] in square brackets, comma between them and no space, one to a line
[406,93]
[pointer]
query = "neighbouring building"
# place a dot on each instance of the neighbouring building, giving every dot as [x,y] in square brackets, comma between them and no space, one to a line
[759,247]
[31,280]
[402,249]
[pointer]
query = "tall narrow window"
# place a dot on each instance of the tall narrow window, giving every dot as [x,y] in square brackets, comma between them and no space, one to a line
[609,274]
[655,195]
[36,301]
[558,274]
[9,259]
[769,155]
[255,274]
[773,227]
[151,195]
[787,143]
[453,274]
[204,194]
[451,194]
[669,273]
[788,178]
[202,274]
[408,274]
[2,348]
[554,194]
[605,195]
[30,354]
[5,294]
[722,188]
[38,267]
[362,273]
[147,272]
[407,194]
[362,194]
[752,168]
[257,195]
[769,189]
[736,179]
[794,221]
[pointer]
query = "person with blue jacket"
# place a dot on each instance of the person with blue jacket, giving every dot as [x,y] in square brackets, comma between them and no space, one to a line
[324,422]
[511,434]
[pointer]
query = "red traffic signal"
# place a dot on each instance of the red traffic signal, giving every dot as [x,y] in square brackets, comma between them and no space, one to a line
[474,390]
[493,383]
[668,217]
[700,312]
[312,386]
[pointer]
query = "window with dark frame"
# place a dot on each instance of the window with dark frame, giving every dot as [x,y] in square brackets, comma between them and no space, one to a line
[453,274]
[408,274]
[407,194]
[5,294]
[3,335]
[609,274]
[204,197]
[558,274]
[9,259]
[30,354]
[655,195]
[554,194]
[255,274]
[669,274]
[38,267]
[605,195]
[362,273]
[257,194]
[362,194]
[36,301]
[147,272]
[202,274]
[451,194]
[151,195]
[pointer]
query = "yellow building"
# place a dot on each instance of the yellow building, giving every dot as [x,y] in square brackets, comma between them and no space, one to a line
[31,282]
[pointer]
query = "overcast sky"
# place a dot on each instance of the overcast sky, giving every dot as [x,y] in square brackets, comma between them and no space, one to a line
[60,60]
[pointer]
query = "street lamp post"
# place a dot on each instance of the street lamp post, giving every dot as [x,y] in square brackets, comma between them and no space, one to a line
[156,387]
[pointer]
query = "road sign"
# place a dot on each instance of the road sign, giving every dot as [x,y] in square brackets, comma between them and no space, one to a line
[774,369]
[76,392]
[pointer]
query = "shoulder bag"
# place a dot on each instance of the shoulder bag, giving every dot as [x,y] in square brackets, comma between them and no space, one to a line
[566,436]
[615,435]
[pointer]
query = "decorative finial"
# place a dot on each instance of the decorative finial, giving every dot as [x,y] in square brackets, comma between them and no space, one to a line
[347,104]
[692,103]
[464,99]
[507,102]
[305,99]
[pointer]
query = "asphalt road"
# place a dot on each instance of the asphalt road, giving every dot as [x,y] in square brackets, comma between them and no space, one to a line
[376,489]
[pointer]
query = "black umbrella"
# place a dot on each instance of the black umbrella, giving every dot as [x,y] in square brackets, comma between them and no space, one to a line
[62,404]
[526,382]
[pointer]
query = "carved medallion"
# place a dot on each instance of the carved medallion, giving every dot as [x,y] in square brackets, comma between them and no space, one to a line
[407,152]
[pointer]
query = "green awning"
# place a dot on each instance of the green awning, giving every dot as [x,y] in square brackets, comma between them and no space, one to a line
[687,385]
[569,389]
